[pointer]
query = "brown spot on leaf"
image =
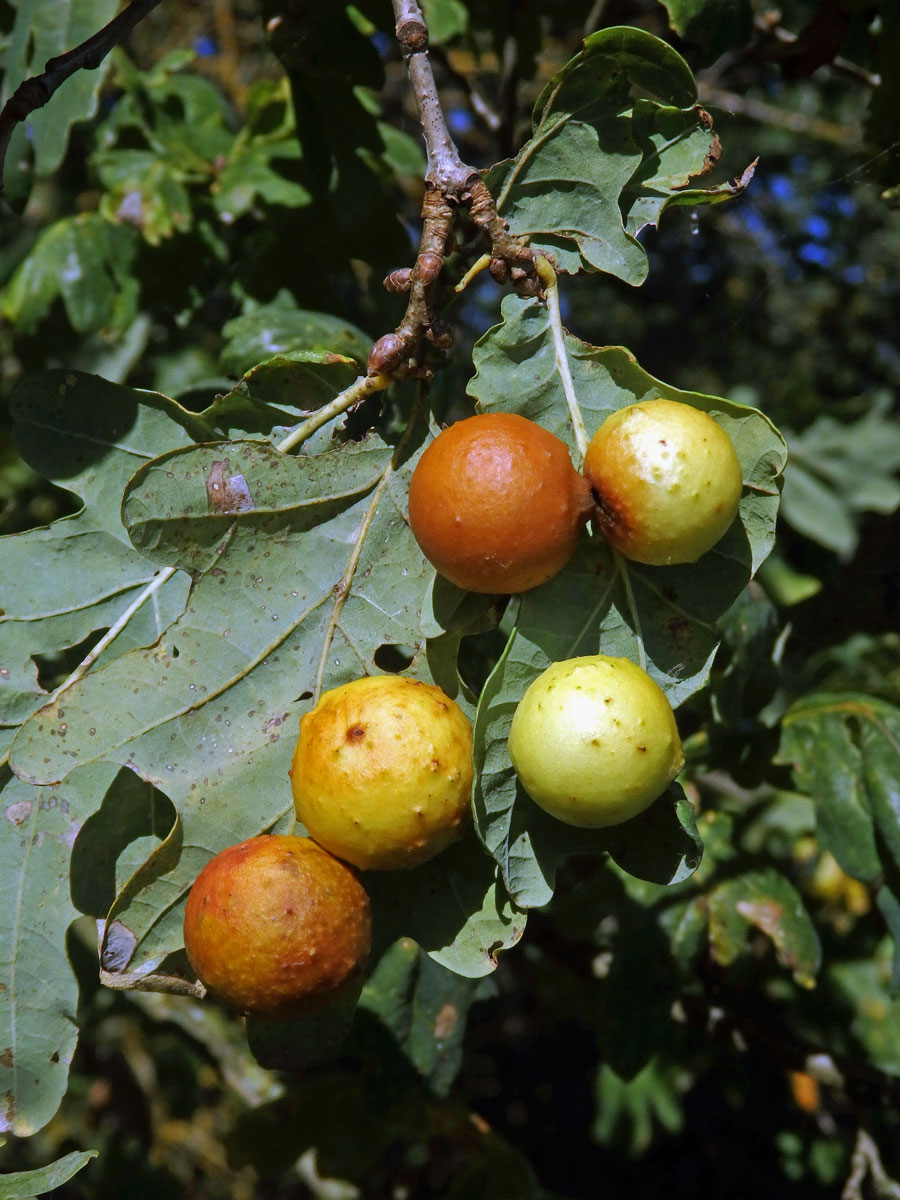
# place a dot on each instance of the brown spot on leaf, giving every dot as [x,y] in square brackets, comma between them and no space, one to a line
[18,813]
[227,493]
[446,1020]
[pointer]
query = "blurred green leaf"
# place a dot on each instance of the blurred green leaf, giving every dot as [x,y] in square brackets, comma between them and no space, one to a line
[446,19]
[180,116]
[628,1111]
[837,471]
[85,261]
[144,191]
[425,1006]
[279,328]
[43,31]
[844,750]
[714,25]
[874,1019]
[21,1184]
[769,902]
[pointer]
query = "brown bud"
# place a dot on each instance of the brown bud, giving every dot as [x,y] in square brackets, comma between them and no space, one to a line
[399,280]
[499,270]
[529,286]
[386,354]
[440,337]
[428,266]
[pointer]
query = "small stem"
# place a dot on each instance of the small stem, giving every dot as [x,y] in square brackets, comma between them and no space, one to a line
[342,587]
[35,92]
[114,630]
[622,568]
[548,279]
[475,269]
[364,386]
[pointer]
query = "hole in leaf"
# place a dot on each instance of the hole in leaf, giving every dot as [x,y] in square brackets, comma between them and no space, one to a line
[35,502]
[394,658]
[303,696]
[133,814]
[58,665]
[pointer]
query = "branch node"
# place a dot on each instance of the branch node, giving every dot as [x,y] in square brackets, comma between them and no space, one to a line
[412,34]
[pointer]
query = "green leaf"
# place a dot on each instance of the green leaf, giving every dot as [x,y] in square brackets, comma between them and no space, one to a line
[145,191]
[714,25]
[844,750]
[280,327]
[74,578]
[837,471]
[252,175]
[43,31]
[298,381]
[266,538]
[39,995]
[767,901]
[425,1007]
[85,261]
[865,985]
[628,1111]
[455,906]
[660,617]
[20,1184]
[183,118]
[446,19]
[601,165]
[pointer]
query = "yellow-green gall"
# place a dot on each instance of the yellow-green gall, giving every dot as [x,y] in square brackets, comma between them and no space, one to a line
[594,741]
[666,480]
[382,771]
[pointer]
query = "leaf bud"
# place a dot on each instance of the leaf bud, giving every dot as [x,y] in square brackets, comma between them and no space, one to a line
[428,266]
[386,354]
[399,280]
[499,270]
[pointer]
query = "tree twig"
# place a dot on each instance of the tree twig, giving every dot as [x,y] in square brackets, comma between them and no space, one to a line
[867,1160]
[446,170]
[34,93]
[451,185]
[849,135]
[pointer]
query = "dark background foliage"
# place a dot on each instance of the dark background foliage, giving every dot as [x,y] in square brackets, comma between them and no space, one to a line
[642,1039]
